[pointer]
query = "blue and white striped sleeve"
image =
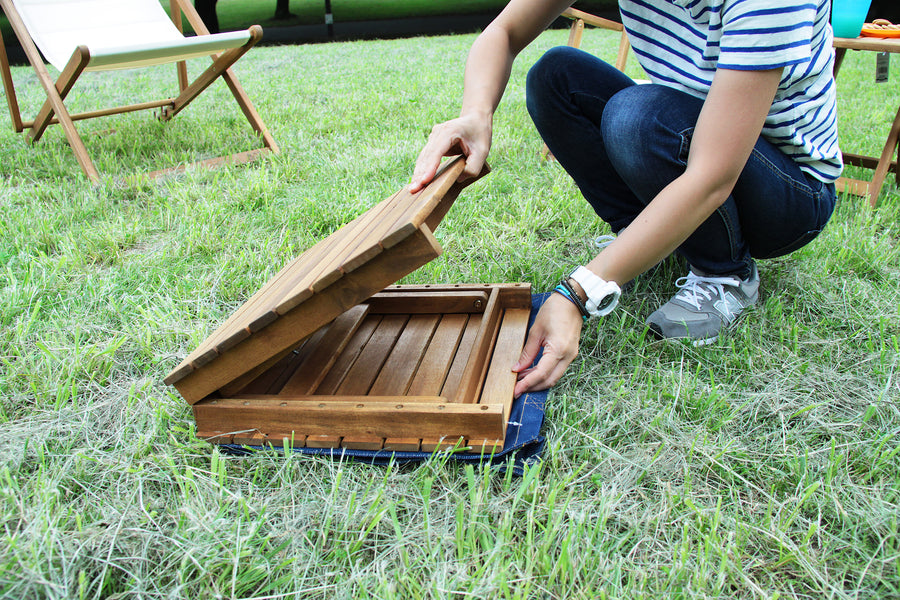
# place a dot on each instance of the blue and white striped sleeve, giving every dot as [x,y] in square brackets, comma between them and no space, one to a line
[766,34]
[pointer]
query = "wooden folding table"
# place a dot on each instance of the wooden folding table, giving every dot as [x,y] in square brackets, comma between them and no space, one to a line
[325,355]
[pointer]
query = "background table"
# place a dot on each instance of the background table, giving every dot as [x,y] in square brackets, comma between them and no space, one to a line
[885,162]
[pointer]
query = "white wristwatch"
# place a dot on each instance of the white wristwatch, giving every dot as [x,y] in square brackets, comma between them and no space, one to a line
[602,295]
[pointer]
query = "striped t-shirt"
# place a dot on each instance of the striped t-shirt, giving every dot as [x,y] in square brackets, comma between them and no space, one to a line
[681,43]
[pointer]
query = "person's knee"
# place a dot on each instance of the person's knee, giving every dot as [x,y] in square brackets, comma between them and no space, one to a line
[552,63]
[625,125]
[546,78]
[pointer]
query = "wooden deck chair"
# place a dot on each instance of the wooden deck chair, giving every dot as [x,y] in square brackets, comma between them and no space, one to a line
[576,31]
[97,35]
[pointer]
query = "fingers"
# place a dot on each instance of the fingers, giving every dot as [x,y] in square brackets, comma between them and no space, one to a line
[544,375]
[441,143]
[530,351]
[466,136]
[474,165]
[426,166]
[556,331]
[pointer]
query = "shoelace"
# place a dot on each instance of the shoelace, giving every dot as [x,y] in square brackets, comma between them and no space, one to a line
[603,241]
[693,287]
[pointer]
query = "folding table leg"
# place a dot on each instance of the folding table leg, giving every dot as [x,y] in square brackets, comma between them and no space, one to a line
[884,163]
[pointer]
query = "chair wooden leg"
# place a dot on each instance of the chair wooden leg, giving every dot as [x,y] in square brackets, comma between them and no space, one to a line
[249,111]
[56,103]
[221,64]
[576,32]
[8,85]
[74,68]
[622,56]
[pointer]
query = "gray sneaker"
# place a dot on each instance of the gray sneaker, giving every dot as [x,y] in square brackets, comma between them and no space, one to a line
[704,306]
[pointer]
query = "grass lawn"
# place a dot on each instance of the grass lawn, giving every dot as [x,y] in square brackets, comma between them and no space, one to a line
[766,465]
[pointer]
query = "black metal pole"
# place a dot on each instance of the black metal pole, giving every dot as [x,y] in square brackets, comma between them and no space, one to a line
[329,19]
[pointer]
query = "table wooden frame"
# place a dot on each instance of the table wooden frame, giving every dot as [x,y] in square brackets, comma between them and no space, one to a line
[886,162]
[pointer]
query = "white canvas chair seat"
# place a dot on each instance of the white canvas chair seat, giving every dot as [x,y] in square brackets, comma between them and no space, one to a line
[118,34]
[99,35]
[106,58]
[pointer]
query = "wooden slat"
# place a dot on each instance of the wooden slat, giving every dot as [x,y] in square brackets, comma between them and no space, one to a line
[400,444]
[367,366]
[332,256]
[370,246]
[249,438]
[279,439]
[432,371]
[315,366]
[273,378]
[401,365]
[461,358]
[370,419]
[344,361]
[362,443]
[419,206]
[484,447]
[501,380]
[214,437]
[443,443]
[428,302]
[321,308]
[476,366]
[323,441]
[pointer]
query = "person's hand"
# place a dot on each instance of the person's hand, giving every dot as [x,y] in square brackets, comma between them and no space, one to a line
[468,134]
[556,329]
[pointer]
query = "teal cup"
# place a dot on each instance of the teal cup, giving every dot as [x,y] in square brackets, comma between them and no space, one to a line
[848,16]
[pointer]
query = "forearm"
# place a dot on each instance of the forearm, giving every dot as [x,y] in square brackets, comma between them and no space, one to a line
[491,56]
[488,68]
[727,129]
[678,210]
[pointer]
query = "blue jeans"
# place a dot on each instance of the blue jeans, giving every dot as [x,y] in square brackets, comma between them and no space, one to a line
[622,143]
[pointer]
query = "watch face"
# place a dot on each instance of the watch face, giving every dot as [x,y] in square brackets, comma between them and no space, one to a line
[608,301]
